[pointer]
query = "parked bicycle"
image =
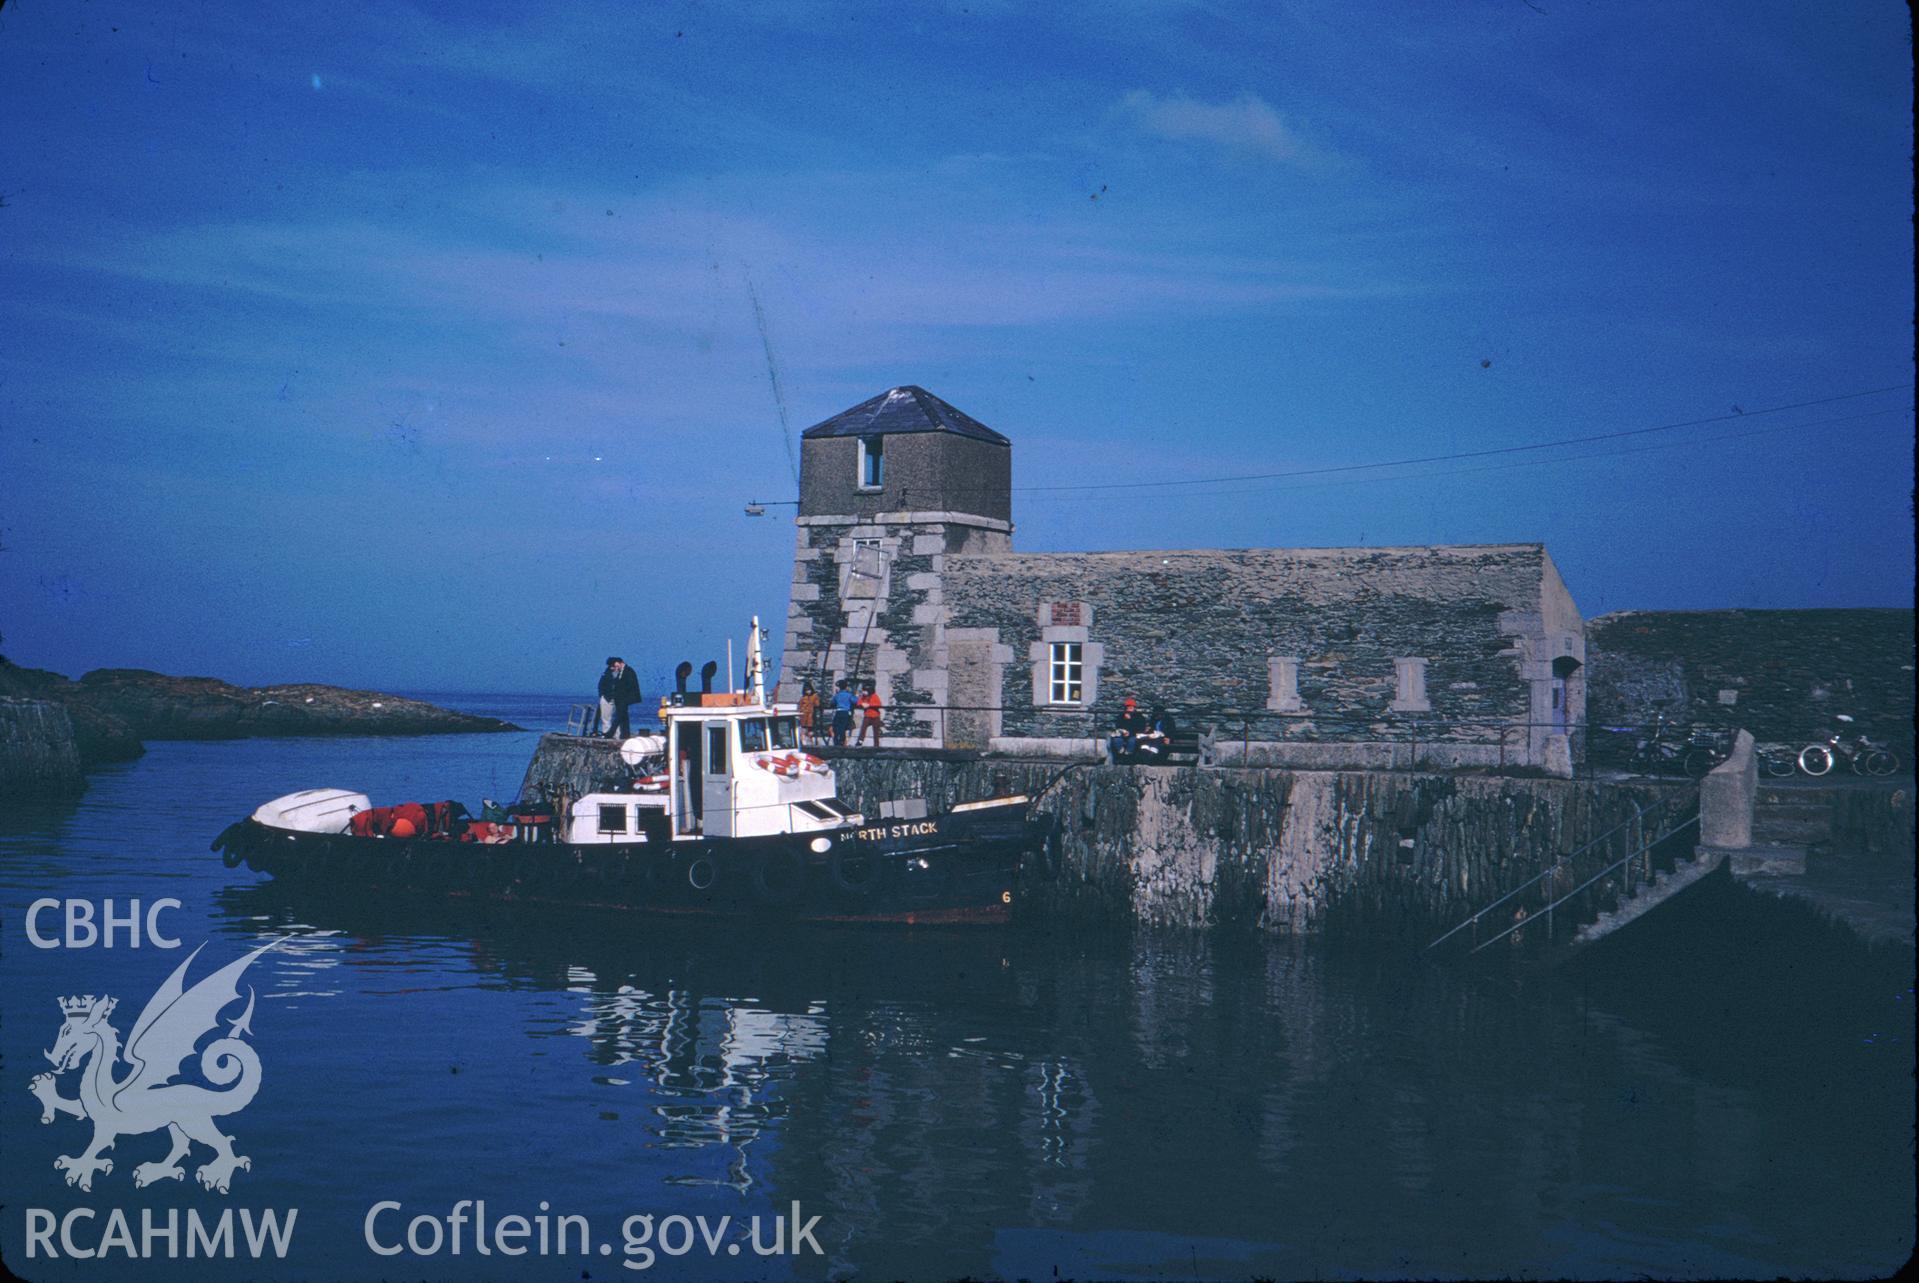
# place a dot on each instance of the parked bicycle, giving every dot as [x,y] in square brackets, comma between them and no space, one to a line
[1706,747]
[1667,752]
[1778,761]
[1854,749]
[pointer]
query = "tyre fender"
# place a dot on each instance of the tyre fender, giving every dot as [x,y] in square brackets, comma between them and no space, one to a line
[856,872]
[779,875]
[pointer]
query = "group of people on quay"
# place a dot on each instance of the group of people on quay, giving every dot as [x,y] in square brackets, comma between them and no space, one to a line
[845,705]
[1139,738]
[1136,737]
[619,691]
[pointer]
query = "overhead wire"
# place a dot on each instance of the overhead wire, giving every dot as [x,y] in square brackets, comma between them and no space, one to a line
[1087,491]
[1323,482]
[1468,454]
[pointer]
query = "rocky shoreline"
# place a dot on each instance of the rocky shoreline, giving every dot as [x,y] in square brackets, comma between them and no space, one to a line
[54,728]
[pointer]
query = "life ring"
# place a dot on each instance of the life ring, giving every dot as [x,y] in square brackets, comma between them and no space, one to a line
[856,872]
[702,874]
[779,875]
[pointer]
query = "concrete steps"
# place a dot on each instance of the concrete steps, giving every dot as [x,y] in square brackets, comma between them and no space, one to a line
[1650,895]
[1791,817]
[1769,860]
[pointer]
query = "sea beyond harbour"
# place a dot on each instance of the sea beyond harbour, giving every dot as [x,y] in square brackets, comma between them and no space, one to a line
[1033,1102]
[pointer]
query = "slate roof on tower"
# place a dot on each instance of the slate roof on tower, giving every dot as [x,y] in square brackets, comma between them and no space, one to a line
[899,410]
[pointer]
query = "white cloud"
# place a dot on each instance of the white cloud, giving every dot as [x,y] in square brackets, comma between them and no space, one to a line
[1247,123]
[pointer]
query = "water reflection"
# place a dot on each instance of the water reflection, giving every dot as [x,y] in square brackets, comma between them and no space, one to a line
[1005,1103]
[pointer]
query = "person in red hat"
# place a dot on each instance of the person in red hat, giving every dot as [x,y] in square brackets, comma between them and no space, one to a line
[1124,741]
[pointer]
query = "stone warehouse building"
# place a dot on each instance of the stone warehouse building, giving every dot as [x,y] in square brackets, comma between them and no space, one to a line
[904,574]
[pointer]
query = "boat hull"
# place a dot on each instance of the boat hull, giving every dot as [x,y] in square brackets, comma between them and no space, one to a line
[957,869]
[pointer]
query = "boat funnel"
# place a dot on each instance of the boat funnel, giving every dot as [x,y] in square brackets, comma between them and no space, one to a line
[680,674]
[707,670]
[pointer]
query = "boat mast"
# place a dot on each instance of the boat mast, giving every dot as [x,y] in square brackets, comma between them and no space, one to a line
[756,664]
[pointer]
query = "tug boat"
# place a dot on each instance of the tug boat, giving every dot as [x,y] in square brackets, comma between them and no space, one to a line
[724,813]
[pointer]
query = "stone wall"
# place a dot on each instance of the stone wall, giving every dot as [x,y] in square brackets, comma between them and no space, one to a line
[890,630]
[38,757]
[1780,674]
[1219,636]
[924,472]
[1361,854]
[1873,820]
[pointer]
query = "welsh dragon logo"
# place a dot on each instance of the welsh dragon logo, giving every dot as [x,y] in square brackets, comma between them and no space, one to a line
[146,1098]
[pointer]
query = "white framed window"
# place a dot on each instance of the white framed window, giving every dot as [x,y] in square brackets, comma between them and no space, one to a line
[1409,686]
[872,463]
[1065,673]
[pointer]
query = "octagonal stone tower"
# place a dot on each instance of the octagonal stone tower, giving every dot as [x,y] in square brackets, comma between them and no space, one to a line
[887,490]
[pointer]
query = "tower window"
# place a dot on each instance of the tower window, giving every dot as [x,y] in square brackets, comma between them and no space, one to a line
[1065,669]
[872,463]
[866,571]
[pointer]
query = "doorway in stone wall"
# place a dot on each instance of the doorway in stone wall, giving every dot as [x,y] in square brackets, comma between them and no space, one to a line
[1565,669]
[971,718]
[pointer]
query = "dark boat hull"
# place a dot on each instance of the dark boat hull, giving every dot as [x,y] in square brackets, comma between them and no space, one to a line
[952,869]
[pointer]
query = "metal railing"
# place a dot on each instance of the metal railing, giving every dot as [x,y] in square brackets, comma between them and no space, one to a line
[1226,724]
[916,721]
[1638,815]
[1563,862]
[1621,863]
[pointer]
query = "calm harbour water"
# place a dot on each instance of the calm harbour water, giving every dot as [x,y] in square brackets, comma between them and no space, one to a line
[1022,1103]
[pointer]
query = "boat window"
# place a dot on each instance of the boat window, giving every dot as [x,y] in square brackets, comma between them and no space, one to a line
[716,748]
[817,811]
[753,735]
[786,732]
[612,819]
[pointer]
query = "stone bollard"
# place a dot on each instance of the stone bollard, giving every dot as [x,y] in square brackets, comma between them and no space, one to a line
[1559,756]
[1726,798]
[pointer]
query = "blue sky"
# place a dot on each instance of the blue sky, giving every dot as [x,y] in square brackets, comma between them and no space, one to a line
[440,346]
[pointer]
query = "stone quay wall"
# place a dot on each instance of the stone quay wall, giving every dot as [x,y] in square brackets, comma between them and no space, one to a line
[1873,820]
[1398,855]
[1362,853]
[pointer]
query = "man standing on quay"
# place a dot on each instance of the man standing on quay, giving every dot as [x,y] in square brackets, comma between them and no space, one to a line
[619,691]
